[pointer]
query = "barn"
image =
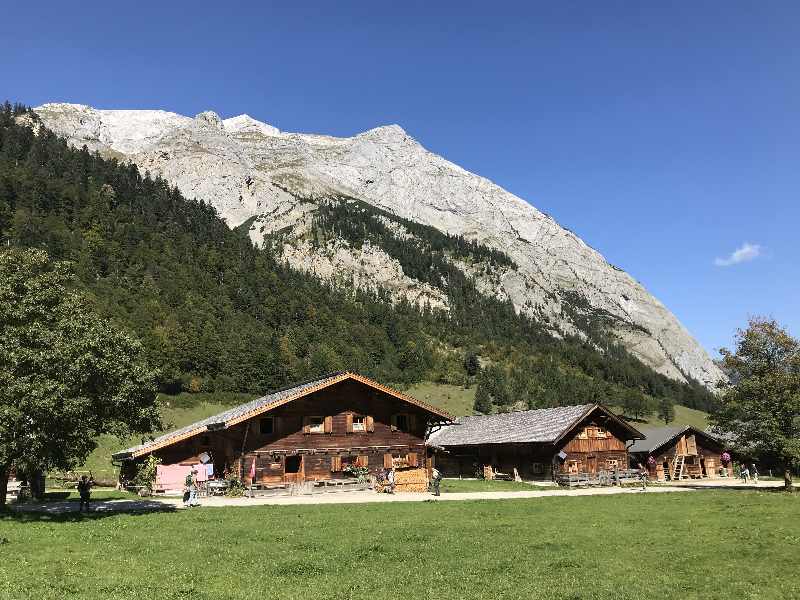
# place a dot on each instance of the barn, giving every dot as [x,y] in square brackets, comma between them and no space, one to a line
[585,441]
[315,431]
[681,452]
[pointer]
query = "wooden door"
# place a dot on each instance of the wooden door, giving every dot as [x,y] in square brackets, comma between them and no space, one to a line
[293,469]
[691,445]
[591,463]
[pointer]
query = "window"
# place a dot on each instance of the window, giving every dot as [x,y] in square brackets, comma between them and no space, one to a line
[537,468]
[403,422]
[266,425]
[583,434]
[316,425]
[572,466]
[612,464]
[600,432]
[359,423]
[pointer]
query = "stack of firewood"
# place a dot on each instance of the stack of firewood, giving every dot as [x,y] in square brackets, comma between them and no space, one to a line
[411,480]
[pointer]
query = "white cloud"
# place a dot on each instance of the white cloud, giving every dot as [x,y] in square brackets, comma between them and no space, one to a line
[745,253]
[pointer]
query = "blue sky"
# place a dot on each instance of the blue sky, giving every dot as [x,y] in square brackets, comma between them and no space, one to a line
[667,135]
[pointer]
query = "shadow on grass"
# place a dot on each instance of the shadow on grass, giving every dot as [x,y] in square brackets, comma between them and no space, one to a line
[67,512]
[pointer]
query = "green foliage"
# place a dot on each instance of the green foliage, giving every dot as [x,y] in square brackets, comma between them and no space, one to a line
[235,487]
[635,404]
[471,363]
[66,374]
[146,475]
[761,408]
[360,473]
[666,410]
[218,315]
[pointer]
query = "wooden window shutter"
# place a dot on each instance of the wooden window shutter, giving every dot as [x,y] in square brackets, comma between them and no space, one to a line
[412,423]
[411,459]
[349,417]
[362,461]
[387,461]
[370,424]
[306,425]
[328,424]
[336,464]
[394,422]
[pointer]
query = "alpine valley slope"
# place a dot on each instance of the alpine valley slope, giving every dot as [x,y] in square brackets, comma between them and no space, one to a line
[276,181]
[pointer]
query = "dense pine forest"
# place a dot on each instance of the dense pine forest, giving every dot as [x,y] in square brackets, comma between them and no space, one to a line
[216,313]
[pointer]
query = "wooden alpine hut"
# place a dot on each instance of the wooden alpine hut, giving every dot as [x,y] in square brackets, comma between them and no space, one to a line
[315,431]
[584,443]
[681,452]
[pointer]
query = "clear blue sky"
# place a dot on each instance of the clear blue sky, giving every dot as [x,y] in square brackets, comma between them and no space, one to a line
[666,135]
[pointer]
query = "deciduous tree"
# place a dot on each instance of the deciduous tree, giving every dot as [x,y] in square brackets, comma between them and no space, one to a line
[66,375]
[761,405]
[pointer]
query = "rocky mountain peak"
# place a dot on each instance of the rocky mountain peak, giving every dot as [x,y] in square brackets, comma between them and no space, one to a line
[275,181]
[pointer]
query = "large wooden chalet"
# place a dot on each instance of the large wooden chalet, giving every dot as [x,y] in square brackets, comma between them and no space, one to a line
[537,444]
[680,452]
[307,432]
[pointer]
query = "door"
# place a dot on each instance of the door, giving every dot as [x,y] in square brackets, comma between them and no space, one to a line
[691,445]
[591,461]
[293,469]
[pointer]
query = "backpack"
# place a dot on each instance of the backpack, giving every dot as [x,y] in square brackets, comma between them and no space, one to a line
[188,481]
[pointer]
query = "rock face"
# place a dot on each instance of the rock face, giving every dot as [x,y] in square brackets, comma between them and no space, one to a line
[251,171]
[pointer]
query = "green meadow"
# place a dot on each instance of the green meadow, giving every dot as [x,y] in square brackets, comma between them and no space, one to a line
[703,545]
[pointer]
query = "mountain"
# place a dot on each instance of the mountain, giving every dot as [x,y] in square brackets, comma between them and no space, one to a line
[277,183]
[217,313]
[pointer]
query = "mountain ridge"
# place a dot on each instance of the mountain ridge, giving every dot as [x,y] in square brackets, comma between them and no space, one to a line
[248,169]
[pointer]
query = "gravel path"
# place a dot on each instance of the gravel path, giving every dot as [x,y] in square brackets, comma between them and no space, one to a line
[363,497]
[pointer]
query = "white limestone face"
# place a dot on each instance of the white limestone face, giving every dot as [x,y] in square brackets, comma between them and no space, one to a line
[247,168]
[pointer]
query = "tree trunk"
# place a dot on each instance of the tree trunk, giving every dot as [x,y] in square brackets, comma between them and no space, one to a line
[4,469]
[787,478]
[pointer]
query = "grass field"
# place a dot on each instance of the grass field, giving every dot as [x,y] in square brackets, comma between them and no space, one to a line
[455,399]
[482,485]
[682,546]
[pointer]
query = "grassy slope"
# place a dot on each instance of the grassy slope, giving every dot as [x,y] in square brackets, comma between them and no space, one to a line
[458,401]
[679,546]
[177,411]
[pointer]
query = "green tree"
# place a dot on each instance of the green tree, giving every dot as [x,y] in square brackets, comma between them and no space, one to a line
[483,401]
[471,363]
[761,405]
[635,404]
[666,410]
[66,375]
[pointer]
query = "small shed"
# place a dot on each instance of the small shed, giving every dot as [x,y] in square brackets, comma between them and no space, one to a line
[680,452]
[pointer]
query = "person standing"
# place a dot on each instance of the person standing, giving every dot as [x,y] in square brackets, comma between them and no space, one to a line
[390,477]
[436,479]
[85,492]
[754,473]
[190,493]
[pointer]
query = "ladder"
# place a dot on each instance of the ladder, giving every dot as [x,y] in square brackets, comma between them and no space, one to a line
[677,467]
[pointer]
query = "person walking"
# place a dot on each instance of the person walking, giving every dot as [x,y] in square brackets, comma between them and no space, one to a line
[191,488]
[745,474]
[436,479]
[85,492]
[754,473]
[390,477]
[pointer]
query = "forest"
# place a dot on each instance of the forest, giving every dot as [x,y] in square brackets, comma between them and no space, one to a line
[217,313]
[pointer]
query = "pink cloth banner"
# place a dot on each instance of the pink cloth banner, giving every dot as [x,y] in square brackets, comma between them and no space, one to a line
[173,477]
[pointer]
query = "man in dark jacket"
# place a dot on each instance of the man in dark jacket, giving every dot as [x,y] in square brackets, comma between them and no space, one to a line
[85,491]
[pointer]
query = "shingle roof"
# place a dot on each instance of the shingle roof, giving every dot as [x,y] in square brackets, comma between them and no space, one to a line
[657,437]
[542,425]
[661,436]
[259,405]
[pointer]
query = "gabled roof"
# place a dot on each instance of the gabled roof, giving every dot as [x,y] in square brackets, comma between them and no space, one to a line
[544,425]
[662,436]
[266,403]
